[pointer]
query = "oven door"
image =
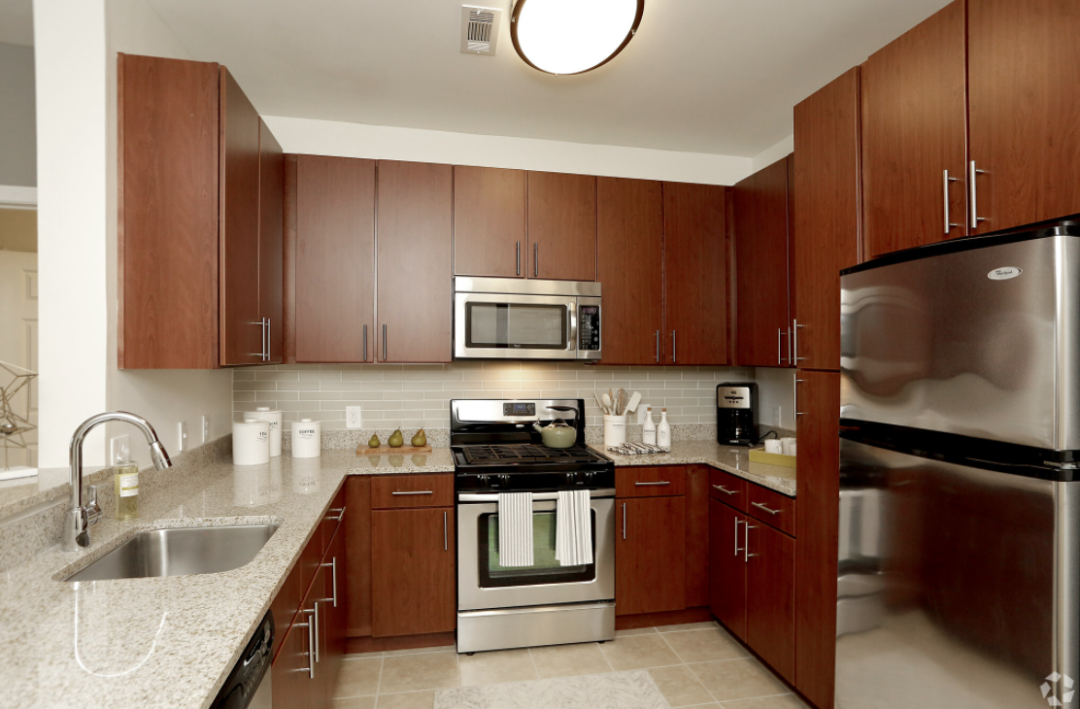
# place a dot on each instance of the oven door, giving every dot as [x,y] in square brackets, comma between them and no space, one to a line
[484,584]
[503,326]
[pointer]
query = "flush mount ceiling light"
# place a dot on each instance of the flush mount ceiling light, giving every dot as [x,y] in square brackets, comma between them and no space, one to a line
[573,36]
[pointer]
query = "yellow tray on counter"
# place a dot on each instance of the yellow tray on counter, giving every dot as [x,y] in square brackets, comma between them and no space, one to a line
[758,455]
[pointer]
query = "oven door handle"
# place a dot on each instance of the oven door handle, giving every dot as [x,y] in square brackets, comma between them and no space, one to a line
[537,496]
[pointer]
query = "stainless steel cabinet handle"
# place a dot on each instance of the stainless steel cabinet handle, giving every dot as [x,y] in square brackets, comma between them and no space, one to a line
[269,346]
[737,549]
[673,360]
[313,628]
[746,544]
[973,192]
[384,343]
[333,579]
[779,344]
[790,359]
[517,258]
[339,511]
[311,646]
[657,345]
[662,482]
[795,342]
[445,537]
[365,343]
[413,492]
[624,520]
[946,180]
[763,507]
[724,490]
[795,399]
[536,258]
[266,339]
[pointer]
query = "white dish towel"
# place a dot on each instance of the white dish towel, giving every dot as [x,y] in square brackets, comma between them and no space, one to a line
[573,528]
[515,529]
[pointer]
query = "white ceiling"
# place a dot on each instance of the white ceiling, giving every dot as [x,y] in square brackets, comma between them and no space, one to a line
[708,76]
[16,22]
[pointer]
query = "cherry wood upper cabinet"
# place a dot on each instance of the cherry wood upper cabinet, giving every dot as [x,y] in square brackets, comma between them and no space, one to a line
[271,248]
[630,267]
[1024,109]
[168,227]
[695,274]
[762,244]
[827,220]
[770,596]
[562,226]
[331,260]
[914,136]
[414,227]
[818,488]
[650,555]
[489,222]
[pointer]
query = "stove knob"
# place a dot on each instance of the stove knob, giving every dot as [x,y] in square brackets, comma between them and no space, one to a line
[483,480]
[505,480]
[569,478]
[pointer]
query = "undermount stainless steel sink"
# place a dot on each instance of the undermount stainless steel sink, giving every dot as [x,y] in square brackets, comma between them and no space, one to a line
[179,551]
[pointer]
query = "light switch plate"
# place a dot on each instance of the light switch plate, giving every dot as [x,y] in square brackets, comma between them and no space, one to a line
[205,429]
[642,413]
[181,434]
[352,417]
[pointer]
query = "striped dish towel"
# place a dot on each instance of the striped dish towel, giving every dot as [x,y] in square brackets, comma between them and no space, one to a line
[515,529]
[573,528]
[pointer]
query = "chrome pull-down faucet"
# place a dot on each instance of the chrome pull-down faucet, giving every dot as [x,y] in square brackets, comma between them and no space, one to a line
[78,518]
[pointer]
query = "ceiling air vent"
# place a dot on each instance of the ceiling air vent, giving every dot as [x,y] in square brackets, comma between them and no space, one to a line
[479,29]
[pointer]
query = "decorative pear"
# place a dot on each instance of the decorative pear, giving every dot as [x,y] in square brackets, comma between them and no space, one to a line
[420,439]
[373,442]
[396,439]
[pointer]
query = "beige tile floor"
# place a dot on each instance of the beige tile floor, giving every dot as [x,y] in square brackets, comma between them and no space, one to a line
[696,665]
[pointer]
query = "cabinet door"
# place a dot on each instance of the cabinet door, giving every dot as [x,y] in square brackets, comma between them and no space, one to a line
[334,608]
[913,111]
[412,562]
[241,329]
[414,261]
[727,568]
[289,679]
[357,529]
[818,487]
[826,215]
[650,555]
[562,226]
[695,274]
[334,292]
[1023,108]
[630,266]
[762,320]
[168,230]
[770,597]
[271,247]
[697,536]
[489,222]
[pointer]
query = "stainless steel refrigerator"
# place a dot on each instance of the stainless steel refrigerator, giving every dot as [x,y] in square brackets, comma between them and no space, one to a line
[959,538]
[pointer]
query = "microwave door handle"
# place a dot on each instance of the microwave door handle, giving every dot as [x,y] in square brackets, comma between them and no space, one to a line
[572,343]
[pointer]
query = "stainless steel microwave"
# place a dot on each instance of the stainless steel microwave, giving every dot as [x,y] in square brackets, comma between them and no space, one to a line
[515,318]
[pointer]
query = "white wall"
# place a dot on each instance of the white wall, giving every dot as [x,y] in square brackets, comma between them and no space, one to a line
[773,153]
[355,140]
[776,387]
[18,156]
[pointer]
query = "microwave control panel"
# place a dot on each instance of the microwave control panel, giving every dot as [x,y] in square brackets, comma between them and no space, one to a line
[589,327]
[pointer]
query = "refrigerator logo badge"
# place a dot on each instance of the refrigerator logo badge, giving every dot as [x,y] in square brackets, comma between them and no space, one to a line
[1004,274]
[1051,696]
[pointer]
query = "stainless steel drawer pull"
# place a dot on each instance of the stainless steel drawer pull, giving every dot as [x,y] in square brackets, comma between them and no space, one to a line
[662,482]
[339,511]
[415,492]
[333,580]
[763,507]
[724,490]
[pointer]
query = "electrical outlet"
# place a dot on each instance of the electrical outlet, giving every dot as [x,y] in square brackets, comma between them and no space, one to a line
[119,446]
[352,417]
[642,413]
[181,434]
[776,415]
[205,429]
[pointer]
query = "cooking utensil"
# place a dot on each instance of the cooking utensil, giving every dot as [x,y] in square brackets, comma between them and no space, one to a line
[608,405]
[634,401]
[622,401]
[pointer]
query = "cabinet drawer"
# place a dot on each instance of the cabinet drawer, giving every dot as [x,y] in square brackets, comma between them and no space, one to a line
[728,489]
[659,481]
[329,523]
[772,508]
[389,491]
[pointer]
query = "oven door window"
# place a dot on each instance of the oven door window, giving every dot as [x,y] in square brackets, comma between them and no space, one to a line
[545,569]
[516,326]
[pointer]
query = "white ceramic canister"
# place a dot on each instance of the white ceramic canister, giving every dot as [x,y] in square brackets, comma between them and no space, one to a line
[306,439]
[774,446]
[263,413]
[614,430]
[251,442]
[788,446]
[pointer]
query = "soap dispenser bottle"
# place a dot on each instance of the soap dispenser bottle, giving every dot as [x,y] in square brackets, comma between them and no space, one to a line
[648,430]
[663,431]
[126,485]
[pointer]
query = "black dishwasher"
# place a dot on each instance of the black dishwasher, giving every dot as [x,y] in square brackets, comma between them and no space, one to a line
[248,685]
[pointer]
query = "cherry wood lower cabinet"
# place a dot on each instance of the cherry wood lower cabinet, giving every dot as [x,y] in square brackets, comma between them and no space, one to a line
[289,678]
[413,575]
[650,555]
[727,568]
[697,536]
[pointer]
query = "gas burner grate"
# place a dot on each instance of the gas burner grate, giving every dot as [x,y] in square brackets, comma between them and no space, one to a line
[525,453]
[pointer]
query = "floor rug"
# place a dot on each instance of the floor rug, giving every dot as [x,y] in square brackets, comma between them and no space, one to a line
[614,690]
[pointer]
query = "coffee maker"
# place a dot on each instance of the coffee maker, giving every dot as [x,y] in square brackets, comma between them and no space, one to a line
[736,414]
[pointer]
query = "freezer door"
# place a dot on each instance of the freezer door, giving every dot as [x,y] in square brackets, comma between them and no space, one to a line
[982,342]
[957,587]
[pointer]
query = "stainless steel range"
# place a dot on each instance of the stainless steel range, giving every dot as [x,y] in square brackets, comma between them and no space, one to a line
[496,449]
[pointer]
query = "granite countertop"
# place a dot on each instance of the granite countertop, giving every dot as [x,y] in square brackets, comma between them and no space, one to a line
[168,642]
[731,459]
